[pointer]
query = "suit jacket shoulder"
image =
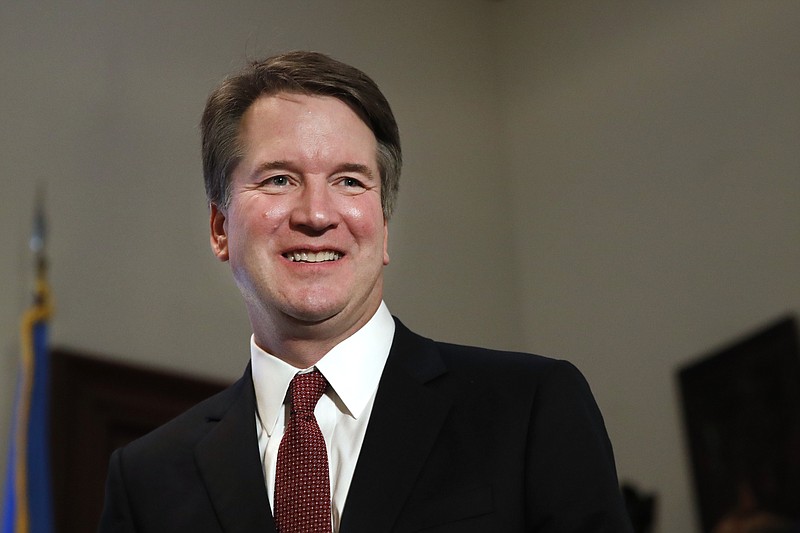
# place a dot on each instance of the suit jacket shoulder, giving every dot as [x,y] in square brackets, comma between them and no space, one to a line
[478,440]
[200,472]
[188,428]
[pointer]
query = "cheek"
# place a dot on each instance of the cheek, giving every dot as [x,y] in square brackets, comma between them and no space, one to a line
[270,219]
[266,217]
[365,222]
[252,228]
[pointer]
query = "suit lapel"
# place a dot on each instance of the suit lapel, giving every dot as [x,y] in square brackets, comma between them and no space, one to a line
[229,464]
[405,421]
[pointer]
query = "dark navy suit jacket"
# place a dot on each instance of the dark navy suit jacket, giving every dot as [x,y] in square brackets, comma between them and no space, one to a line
[460,440]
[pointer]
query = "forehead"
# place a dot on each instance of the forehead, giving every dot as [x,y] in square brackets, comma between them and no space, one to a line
[305,125]
[286,110]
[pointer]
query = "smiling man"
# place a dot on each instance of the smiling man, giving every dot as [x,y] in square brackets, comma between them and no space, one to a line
[346,421]
[303,226]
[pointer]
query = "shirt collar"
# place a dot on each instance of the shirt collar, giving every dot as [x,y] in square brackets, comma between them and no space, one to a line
[353,369]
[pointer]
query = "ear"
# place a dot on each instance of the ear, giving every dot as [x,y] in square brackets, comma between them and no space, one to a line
[385,242]
[219,237]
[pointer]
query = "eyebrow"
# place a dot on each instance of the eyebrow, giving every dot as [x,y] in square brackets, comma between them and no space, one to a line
[356,167]
[344,167]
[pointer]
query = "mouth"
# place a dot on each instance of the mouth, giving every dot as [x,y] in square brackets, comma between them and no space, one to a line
[306,256]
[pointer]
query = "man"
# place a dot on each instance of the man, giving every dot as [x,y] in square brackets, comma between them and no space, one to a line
[302,158]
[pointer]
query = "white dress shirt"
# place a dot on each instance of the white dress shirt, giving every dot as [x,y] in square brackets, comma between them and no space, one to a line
[353,369]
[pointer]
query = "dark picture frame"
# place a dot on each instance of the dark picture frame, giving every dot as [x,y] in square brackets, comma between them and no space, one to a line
[741,407]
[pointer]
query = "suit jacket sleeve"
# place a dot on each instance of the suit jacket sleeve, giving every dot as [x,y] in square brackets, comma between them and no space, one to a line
[571,476]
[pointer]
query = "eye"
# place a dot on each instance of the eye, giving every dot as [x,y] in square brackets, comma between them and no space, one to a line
[275,184]
[351,182]
[277,181]
[352,185]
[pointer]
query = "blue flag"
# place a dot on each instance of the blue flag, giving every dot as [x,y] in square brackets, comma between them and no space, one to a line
[28,497]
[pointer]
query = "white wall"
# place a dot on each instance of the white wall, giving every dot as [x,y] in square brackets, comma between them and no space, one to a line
[613,183]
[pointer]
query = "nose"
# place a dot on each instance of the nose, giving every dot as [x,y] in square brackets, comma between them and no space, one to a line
[315,209]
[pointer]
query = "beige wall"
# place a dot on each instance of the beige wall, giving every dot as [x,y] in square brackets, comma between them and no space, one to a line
[653,153]
[612,183]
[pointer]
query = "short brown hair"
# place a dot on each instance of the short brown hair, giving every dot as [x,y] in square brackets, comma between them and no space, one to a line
[299,72]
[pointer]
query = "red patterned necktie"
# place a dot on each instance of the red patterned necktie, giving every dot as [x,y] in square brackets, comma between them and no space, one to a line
[302,486]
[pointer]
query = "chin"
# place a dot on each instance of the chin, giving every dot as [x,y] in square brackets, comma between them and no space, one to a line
[314,313]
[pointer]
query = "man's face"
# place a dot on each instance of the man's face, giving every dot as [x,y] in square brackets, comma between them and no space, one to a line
[304,230]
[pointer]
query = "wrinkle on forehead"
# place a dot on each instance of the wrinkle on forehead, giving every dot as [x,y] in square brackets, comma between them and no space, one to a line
[310,133]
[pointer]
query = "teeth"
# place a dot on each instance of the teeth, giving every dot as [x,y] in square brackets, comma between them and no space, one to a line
[311,257]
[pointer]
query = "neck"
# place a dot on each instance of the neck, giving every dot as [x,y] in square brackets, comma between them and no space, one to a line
[303,344]
[299,353]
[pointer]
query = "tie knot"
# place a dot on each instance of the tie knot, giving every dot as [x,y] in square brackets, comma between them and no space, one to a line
[306,390]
